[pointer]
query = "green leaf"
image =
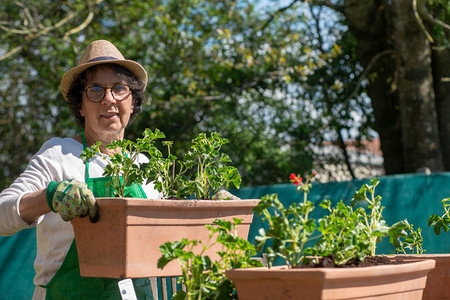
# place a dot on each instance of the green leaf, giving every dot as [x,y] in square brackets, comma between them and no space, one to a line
[439,223]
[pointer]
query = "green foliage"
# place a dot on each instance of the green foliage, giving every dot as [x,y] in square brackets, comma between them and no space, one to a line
[290,228]
[345,233]
[213,66]
[161,170]
[203,277]
[350,232]
[121,166]
[341,235]
[441,222]
[211,173]
[275,81]
[201,173]
[440,10]
[412,243]
[373,223]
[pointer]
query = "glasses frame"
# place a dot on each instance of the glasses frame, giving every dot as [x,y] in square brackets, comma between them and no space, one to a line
[105,89]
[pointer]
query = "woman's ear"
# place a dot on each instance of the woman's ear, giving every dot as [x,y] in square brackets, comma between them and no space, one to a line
[81,110]
[132,107]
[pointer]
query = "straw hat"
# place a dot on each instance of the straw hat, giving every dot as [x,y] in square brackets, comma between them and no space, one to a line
[101,52]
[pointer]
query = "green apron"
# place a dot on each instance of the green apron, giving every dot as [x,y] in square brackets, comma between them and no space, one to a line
[67,282]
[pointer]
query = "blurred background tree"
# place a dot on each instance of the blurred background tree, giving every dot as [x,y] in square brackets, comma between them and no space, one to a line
[277,78]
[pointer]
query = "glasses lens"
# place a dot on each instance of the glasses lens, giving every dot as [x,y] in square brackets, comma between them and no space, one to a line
[120,91]
[95,93]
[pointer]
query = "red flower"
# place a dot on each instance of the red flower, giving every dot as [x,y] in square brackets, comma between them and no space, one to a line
[297,180]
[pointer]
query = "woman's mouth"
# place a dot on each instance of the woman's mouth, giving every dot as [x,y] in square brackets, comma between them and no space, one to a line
[109,115]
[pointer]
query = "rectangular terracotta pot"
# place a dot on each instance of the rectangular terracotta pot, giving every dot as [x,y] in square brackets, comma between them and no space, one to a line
[124,242]
[399,281]
[438,279]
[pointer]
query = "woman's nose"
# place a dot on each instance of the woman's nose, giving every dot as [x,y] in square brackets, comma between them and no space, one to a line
[108,97]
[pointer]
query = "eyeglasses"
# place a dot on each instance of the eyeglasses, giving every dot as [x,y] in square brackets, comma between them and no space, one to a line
[119,92]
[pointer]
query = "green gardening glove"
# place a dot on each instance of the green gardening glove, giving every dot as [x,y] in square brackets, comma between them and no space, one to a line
[71,198]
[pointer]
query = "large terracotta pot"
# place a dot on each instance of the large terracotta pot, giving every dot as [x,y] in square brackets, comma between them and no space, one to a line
[400,281]
[438,280]
[124,242]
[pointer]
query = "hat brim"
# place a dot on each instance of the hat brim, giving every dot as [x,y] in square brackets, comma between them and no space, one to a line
[132,66]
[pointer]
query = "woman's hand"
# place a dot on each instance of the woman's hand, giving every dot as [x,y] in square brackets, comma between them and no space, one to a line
[72,198]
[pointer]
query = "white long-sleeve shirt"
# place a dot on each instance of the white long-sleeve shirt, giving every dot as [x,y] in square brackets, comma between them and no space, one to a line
[57,160]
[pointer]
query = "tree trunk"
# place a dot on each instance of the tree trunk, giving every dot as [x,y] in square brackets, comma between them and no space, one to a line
[420,134]
[367,22]
[441,75]
[400,85]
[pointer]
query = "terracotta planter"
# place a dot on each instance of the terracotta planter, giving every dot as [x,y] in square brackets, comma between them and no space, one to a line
[124,242]
[438,280]
[402,281]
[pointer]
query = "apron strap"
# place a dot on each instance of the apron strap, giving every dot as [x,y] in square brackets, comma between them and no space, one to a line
[83,139]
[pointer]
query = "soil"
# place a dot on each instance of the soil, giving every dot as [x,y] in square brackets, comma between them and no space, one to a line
[328,262]
[175,198]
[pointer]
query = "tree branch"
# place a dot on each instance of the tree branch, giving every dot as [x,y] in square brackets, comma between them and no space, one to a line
[419,7]
[32,34]
[356,89]
[329,4]
[422,10]
[273,15]
[419,21]
[233,6]
[341,144]
[80,27]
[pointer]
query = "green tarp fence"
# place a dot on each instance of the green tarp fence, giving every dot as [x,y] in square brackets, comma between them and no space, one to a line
[412,196]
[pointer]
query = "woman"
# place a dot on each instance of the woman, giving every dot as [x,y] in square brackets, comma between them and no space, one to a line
[104,91]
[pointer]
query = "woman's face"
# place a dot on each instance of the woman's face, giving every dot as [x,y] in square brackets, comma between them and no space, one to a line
[105,120]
